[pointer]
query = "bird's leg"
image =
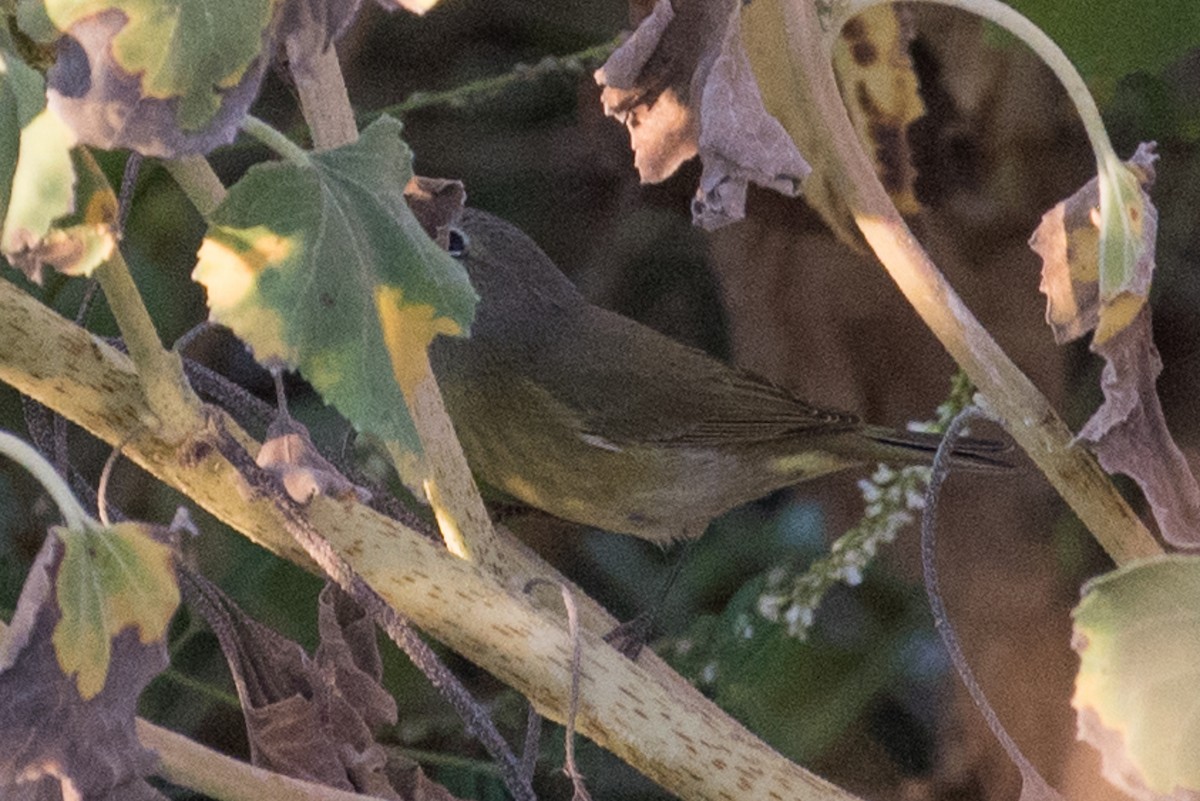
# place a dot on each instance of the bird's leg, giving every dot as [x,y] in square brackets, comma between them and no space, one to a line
[632,636]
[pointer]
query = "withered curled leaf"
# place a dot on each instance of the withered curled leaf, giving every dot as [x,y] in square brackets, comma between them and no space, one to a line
[1128,433]
[683,85]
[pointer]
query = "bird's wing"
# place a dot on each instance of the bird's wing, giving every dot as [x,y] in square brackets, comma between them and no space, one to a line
[642,386]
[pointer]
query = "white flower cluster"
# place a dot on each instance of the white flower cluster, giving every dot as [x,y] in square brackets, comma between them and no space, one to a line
[891,498]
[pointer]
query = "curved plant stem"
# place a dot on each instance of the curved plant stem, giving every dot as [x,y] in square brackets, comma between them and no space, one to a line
[275,140]
[1035,785]
[1024,411]
[1109,168]
[37,466]
[1035,39]
[195,176]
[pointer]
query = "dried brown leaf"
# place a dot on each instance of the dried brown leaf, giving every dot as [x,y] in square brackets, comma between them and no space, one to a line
[412,783]
[312,718]
[682,84]
[437,203]
[1128,433]
[290,455]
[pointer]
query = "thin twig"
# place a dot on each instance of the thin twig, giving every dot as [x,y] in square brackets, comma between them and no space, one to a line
[570,768]
[133,166]
[90,292]
[189,337]
[533,742]
[476,94]
[102,485]
[941,469]
[39,422]
[474,716]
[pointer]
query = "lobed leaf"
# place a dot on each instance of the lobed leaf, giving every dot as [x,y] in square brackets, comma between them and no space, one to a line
[86,638]
[324,268]
[110,580]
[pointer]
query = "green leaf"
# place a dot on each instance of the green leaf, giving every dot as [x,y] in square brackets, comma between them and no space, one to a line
[323,267]
[110,579]
[1137,631]
[189,49]
[1107,39]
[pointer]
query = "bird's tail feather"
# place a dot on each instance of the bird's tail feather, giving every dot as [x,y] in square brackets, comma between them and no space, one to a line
[969,452]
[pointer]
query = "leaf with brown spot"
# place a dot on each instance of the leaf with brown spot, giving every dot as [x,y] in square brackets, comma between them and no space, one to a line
[875,72]
[1096,275]
[878,89]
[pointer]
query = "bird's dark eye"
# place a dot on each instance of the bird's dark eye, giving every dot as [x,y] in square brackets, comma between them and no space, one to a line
[457,243]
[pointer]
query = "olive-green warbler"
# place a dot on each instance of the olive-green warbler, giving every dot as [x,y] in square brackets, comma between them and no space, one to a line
[598,419]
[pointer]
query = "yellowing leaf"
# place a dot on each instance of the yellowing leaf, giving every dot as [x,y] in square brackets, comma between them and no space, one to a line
[1137,631]
[110,579]
[74,728]
[1096,275]
[1072,239]
[73,234]
[879,86]
[56,205]
[323,267]
[163,77]
[408,328]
